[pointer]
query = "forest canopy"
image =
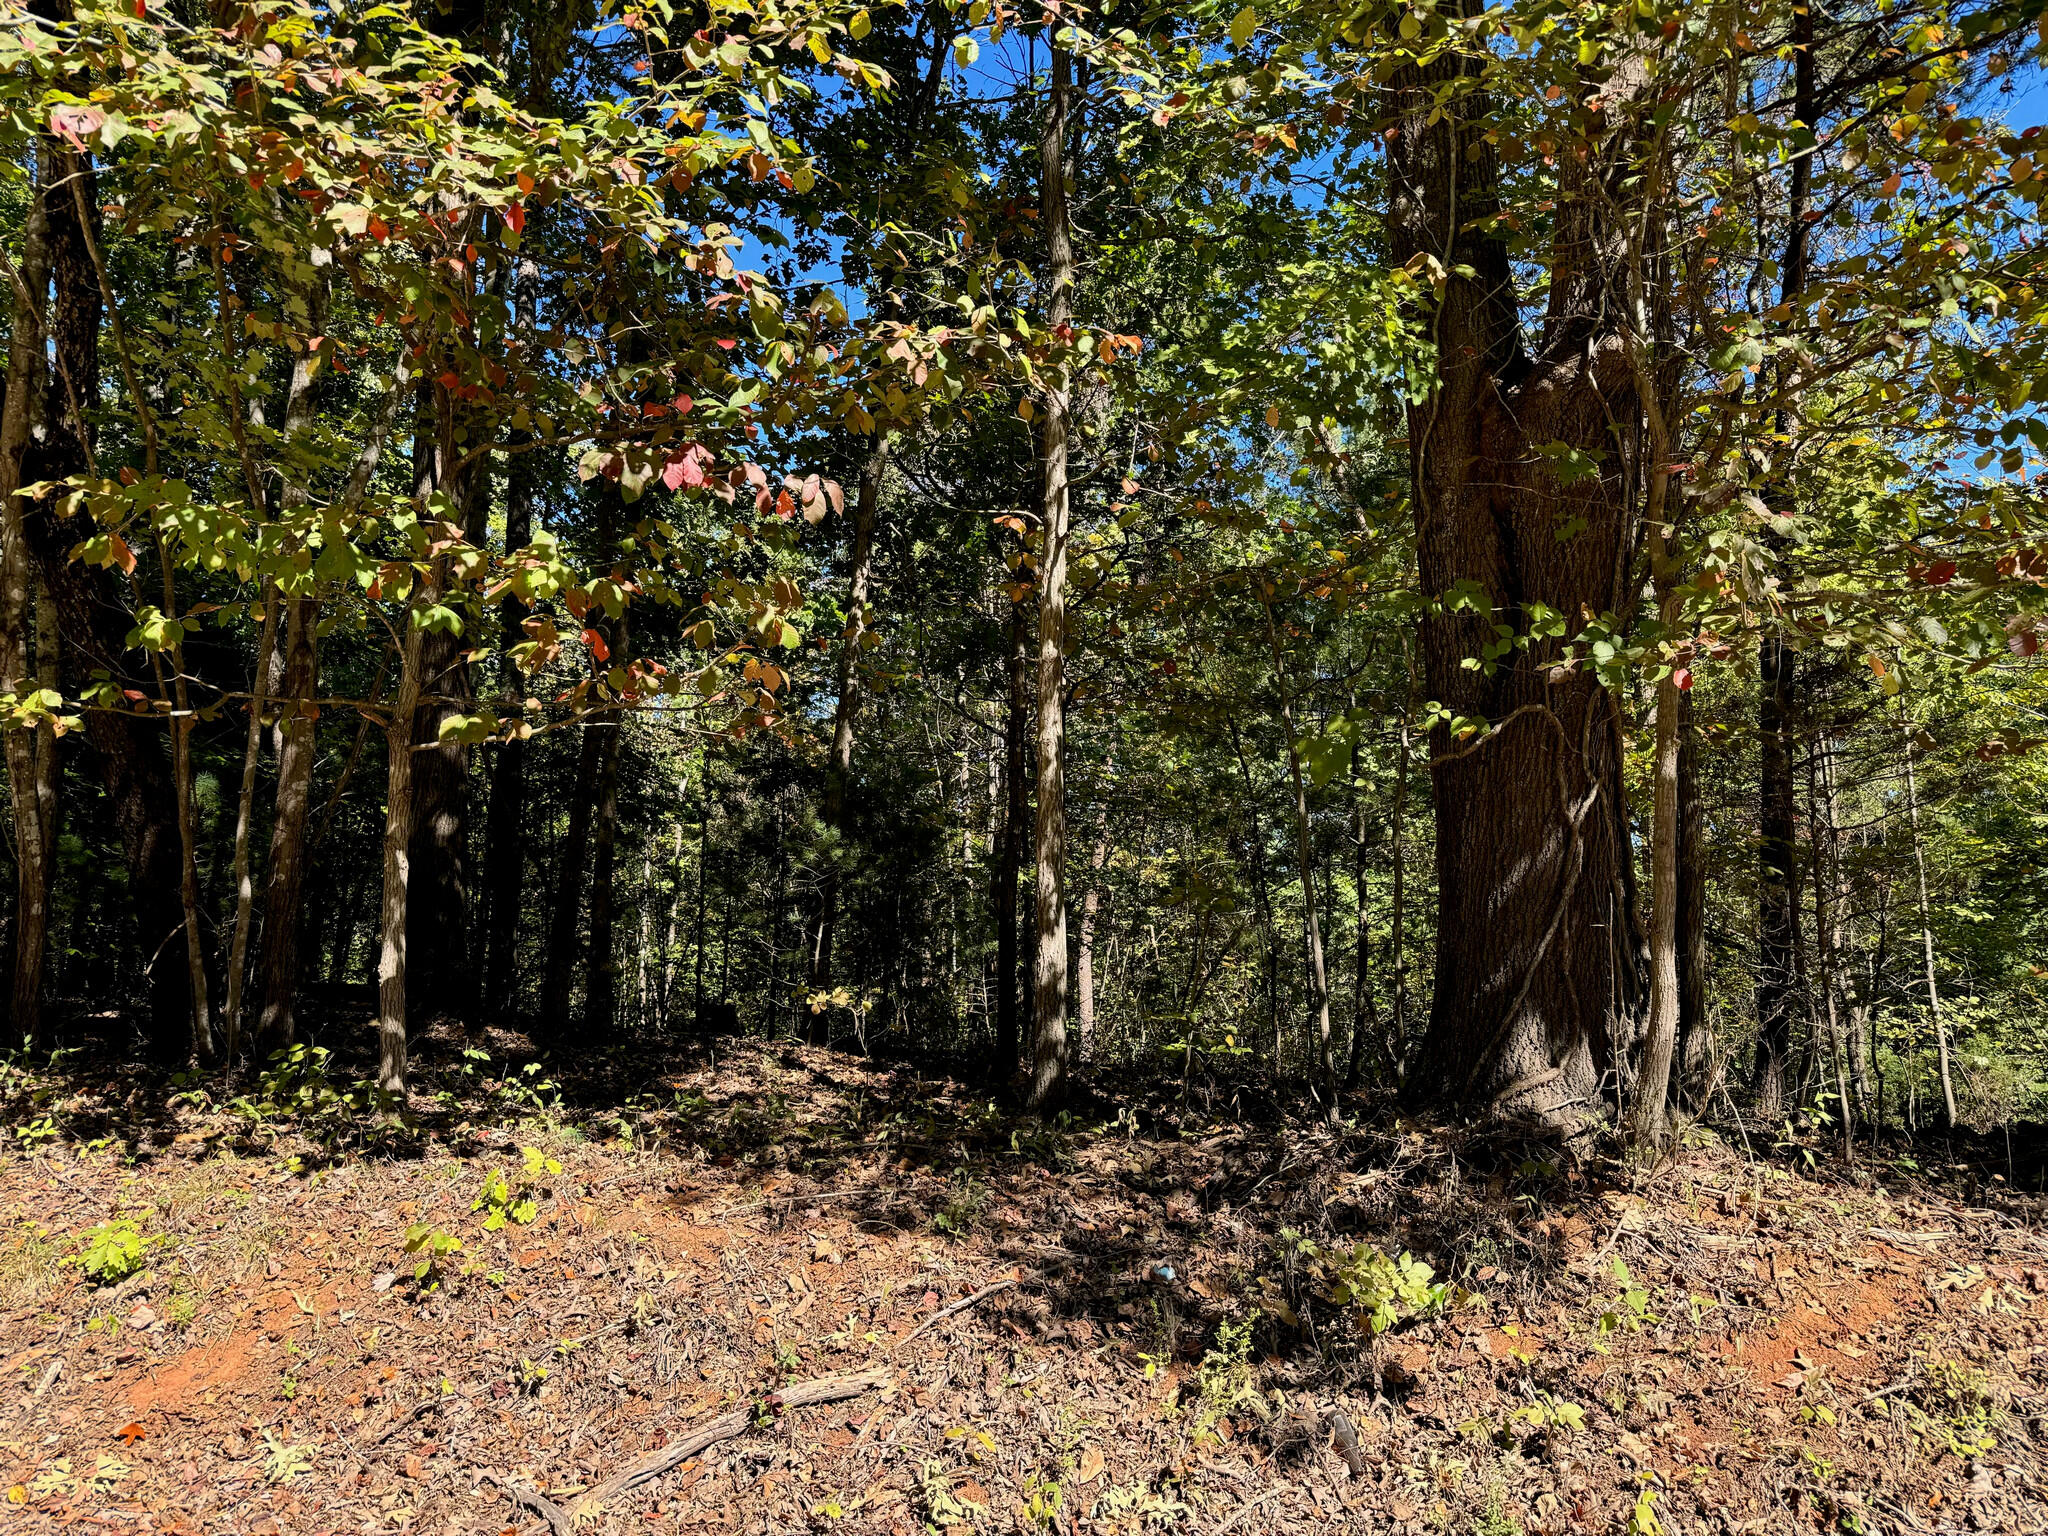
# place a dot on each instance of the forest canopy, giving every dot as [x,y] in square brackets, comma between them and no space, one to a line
[1487,553]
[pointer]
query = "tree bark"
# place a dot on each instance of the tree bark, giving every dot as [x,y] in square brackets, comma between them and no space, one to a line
[393,923]
[1010,850]
[571,859]
[1649,1119]
[1091,906]
[1532,976]
[1693,1035]
[30,753]
[1049,971]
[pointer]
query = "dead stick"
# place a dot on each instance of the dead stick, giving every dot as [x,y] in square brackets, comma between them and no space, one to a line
[827,1389]
[958,1306]
[559,1520]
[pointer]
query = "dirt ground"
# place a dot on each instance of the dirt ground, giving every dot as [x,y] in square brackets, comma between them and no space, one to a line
[1719,1344]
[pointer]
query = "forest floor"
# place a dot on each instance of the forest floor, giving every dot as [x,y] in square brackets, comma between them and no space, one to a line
[1723,1343]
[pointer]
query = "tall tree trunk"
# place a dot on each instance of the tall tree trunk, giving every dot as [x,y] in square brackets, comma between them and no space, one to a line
[1948,1087]
[505,832]
[1693,1039]
[1649,1119]
[1259,886]
[1397,938]
[443,979]
[1319,977]
[245,818]
[1084,964]
[394,928]
[1049,970]
[1010,854]
[601,978]
[1778,942]
[30,753]
[1363,1022]
[1530,980]
[867,499]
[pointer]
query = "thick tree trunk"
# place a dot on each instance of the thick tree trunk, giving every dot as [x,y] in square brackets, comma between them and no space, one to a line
[1532,972]
[30,753]
[1049,969]
[839,767]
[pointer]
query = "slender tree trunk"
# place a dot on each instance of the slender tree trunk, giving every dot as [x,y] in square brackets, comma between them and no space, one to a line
[1398,937]
[1692,914]
[703,863]
[1653,1081]
[1319,978]
[1948,1087]
[601,983]
[839,767]
[30,753]
[393,925]
[1778,941]
[505,836]
[1049,971]
[1091,906]
[245,817]
[1010,857]
[1363,1022]
[1259,885]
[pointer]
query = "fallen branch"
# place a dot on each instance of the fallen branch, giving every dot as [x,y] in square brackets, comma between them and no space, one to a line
[559,1520]
[958,1306]
[1346,1435]
[727,1426]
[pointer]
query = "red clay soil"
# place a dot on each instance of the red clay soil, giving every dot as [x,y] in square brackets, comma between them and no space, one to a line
[1714,1346]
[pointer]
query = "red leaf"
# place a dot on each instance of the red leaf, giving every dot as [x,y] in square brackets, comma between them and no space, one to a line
[727,343]
[597,646]
[1941,573]
[516,217]
[684,404]
[124,557]
[1682,677]
[379,229]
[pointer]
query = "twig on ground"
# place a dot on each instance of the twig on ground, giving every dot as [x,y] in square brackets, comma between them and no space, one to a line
[727,1426]
[958,1306]
[1247,1507]
[559,1520]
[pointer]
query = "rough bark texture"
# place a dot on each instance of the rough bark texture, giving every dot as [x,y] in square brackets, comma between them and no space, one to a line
[1694,1037]
[1777,958]
[1533,966]
[19,415]
[1049,969]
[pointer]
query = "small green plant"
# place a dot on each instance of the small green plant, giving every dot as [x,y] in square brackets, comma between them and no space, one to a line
[531,1376]
[113,1251]
[503,1200]
[965,1201]
[1952,1409]
[1642,1520]
[1629,1312]
[1496,1519]
[431,1247]
[1547,1412]
[1227,1379]
[1385,1291]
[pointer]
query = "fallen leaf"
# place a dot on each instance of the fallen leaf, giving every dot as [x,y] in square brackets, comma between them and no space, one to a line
[1091,1465]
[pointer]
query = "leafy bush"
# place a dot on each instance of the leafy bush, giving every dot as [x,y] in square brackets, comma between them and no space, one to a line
[1385,1291]
[113,1251]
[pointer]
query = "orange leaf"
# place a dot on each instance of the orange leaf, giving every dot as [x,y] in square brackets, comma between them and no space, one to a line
[597,646]
[130,1433]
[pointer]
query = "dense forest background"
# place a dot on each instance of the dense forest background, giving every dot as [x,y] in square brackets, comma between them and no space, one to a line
[1484,553]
